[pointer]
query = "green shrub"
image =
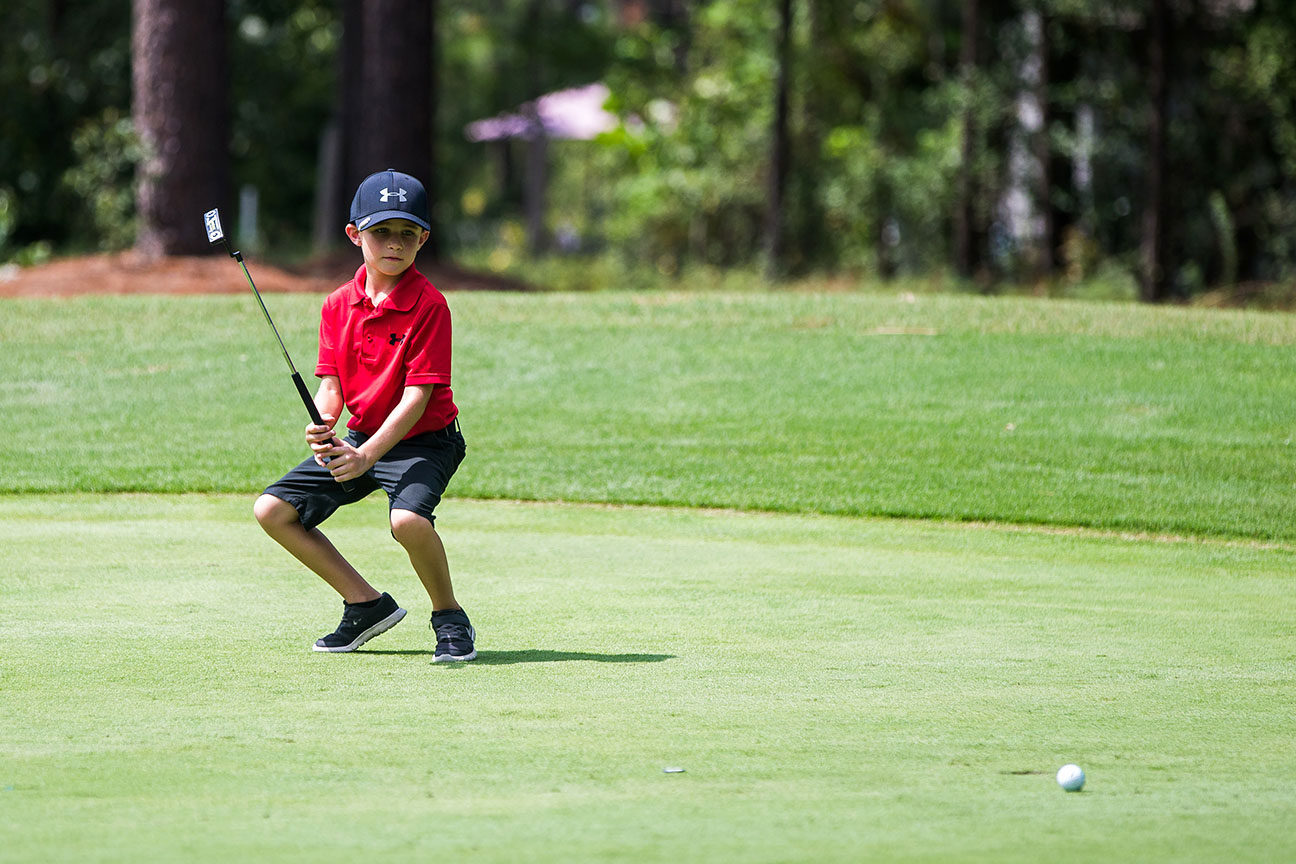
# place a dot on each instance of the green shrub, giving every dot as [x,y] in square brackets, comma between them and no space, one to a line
[107,151]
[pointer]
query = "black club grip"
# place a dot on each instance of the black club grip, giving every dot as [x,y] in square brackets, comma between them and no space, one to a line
[314,414]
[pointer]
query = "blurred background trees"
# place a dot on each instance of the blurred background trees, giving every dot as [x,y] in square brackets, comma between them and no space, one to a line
[1147,148]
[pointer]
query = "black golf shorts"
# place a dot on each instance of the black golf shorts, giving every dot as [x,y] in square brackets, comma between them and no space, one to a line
[414,474]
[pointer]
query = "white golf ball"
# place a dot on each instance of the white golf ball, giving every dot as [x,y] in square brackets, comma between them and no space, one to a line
[1071,778]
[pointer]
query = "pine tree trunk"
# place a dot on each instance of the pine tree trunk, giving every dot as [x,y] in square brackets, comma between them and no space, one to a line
[1064,205]
[810,231]
[535,162]
[1045,251]
[350,99]
[1154,276]
[966,247]
[389,103]
[779,150]
[180,114]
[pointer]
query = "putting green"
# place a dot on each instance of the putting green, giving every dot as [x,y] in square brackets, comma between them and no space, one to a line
[836,689]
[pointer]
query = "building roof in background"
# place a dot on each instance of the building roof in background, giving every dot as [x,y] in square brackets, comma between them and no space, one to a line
[574,114]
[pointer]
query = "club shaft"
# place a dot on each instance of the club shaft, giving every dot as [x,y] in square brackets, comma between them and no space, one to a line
[266,312]
[296,377]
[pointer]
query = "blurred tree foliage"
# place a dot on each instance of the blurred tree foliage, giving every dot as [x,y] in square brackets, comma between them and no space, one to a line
[496,56]
[67,150]
[65,76]
[105,153]
[283,90]
[1056,110]
[684,173]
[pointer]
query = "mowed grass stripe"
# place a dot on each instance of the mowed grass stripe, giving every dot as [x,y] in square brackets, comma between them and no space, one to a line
[1013,410]
[837,689]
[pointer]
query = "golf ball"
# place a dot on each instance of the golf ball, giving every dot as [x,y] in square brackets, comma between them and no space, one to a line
[1071,778]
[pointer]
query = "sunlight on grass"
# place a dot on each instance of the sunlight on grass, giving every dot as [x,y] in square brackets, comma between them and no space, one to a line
[1005,409]
[835,689]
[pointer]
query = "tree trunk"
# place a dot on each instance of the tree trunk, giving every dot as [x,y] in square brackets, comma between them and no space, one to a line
[535,194]
[967,257]
[179,81]
[1154,275]
[1045,249]
[388,94]
[1064,205]
[432,249]
[810,231]
[535,163]
[346,174]
[330,207]
[779,149]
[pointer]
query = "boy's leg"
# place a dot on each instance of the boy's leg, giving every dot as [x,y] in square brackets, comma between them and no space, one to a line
[427,555]
[282,522]
[291,510]
[365,612]
[414,474]
[454,632]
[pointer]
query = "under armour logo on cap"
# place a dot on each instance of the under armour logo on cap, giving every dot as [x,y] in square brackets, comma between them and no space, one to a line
[387,195]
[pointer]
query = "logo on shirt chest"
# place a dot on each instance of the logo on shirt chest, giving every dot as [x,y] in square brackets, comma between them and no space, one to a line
[375,346]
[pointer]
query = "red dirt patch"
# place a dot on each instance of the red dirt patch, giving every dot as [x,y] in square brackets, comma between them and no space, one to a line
[131,273]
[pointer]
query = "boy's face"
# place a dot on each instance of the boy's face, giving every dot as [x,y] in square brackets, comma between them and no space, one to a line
[390,246]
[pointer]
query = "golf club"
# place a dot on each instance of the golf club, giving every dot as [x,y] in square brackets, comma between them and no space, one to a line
[215,234]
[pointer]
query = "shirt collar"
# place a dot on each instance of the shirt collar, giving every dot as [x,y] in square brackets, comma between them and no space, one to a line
[402,298]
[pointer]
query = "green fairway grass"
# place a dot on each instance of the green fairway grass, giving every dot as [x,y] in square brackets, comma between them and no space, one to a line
[1093,564]
[836,689]
[1015,410]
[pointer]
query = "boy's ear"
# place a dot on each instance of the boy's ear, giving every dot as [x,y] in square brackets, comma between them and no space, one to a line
[424,238]
[353,233]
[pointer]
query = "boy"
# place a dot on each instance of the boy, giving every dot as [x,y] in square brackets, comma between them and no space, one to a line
[384,352]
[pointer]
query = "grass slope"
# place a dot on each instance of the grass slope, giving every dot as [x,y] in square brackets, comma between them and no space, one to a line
[836,689]
[1016,410]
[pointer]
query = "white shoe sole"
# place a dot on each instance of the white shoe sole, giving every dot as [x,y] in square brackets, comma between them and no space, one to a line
[450,658]
[376,630]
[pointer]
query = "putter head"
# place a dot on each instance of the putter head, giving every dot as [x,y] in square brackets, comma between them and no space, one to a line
[215,233]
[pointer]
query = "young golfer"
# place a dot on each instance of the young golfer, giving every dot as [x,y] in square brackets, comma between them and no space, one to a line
[384,353]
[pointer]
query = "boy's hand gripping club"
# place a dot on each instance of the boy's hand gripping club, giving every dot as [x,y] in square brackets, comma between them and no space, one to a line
[215,234]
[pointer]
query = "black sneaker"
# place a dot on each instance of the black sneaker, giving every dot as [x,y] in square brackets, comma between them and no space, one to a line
[455,635]
[360,624]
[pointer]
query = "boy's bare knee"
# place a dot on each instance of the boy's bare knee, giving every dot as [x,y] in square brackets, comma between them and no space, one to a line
[409,527]
[272,512]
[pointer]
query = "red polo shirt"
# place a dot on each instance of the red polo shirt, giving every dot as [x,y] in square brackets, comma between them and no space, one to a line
[377,352]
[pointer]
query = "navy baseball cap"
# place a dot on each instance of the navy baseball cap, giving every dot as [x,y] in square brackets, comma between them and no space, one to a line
[389,195]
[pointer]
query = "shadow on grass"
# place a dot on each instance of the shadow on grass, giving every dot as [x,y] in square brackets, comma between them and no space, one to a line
[536,655]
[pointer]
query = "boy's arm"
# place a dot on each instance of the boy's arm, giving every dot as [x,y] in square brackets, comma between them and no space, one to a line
[328,398]
[348,463]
